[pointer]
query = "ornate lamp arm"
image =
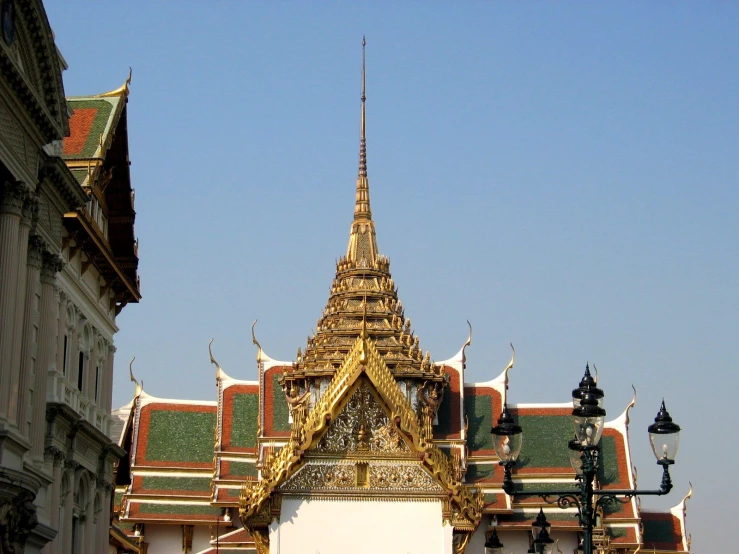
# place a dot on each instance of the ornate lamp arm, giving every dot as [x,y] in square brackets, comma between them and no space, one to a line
[664,487]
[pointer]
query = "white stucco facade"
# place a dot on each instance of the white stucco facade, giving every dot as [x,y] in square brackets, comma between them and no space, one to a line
[327,526]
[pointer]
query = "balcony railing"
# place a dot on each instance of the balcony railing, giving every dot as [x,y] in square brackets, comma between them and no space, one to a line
[61,390]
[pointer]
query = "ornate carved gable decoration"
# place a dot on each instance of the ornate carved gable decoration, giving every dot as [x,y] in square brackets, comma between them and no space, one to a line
[362,428]
[363,358]
[362,454]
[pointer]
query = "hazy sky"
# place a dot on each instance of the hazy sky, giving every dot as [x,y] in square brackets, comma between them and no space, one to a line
[563,175]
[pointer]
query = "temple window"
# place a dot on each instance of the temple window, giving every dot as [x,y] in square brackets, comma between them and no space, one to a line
[64,357]
[80,371]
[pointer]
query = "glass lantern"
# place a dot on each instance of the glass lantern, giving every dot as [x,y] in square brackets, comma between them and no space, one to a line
[493,544]
[664,435]
[507,437]
[588,418]
[543,544]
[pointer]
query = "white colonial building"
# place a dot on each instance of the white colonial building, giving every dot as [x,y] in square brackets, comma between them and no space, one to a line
[68,265]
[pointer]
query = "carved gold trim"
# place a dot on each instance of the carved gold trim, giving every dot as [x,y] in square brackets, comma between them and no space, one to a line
[466,503]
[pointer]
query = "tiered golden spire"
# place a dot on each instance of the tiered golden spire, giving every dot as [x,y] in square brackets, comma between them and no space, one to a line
[363,300]
[362,249]
[362,207]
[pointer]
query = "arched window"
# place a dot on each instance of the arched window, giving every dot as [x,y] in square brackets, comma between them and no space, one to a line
[81,371]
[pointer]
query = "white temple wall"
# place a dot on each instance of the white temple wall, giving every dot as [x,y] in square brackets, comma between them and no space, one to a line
[477,541]
[200,538]
[164,539]
[324,526]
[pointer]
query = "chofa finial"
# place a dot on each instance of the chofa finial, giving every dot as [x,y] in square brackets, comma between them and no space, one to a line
[219,371]
[256,342]
[139,386]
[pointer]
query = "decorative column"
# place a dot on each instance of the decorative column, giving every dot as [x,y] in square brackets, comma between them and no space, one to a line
[11,207]
[51,264]
[109,377]
[36,248]
[103,519]
[92,520]
[65,525]
[30,217]
[55,500]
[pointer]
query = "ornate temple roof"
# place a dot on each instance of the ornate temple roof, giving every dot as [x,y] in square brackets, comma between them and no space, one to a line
[96,153]
[363,295]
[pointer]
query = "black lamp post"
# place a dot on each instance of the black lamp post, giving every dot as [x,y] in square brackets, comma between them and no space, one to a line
[542,543]
[588,417]
[493,544]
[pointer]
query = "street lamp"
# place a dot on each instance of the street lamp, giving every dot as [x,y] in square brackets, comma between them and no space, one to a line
[540,530]
[588,418]
[493,544]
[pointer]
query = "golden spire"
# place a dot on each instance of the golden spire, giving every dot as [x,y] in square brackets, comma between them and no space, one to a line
[362,206]
[362,242]
[363,299]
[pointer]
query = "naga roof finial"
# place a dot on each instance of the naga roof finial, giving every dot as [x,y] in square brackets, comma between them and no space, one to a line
[139,386]
[256,342]
[219,371]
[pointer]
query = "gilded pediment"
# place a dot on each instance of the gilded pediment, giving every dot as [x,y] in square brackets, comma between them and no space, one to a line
[352,478]
[362,427]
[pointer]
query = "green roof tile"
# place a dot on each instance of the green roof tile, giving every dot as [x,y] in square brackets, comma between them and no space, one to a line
[658,530]
[478,472]
[280,412]
[244,426]
[479,412]
[242,469]
[100,109]
[608,472]
[617,532]
[80,175]
[180,436]
[194,484]
[490,497]
[179,509]
[545,441]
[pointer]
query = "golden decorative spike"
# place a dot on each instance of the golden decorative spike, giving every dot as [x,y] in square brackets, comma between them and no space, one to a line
[362,242]
[685,499]
[219,371]
[362,136]
[508,368]
[139,386]
[256,342]
[631,404]
[465,345]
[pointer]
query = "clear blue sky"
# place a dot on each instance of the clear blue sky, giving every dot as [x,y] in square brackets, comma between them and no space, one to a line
[563,175]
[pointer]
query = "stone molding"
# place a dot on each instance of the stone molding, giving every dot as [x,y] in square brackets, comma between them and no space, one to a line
[36,248]
[31,206]
[52,264]
[13,197]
